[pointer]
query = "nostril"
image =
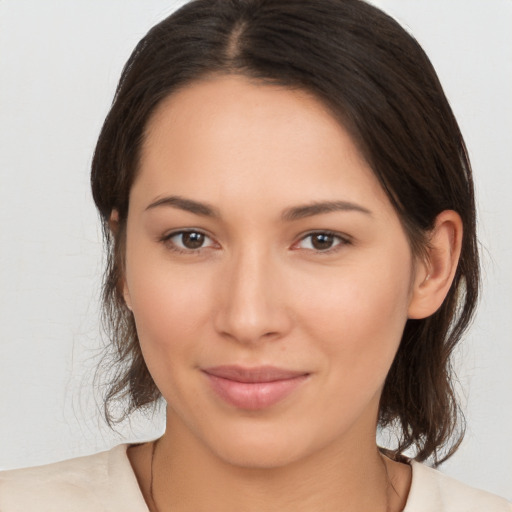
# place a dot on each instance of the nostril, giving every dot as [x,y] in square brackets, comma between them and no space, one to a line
[249,307]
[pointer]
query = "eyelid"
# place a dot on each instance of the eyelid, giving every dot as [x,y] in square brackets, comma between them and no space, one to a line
[166,240]
[343,240]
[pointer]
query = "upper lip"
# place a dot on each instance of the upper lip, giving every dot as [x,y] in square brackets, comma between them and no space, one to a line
[254,374]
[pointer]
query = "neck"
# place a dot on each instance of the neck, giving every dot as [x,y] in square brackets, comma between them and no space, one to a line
[189,477]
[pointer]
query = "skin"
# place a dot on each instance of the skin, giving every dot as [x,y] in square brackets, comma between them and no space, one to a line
[259,292]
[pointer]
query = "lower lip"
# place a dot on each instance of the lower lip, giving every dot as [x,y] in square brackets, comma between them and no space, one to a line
[254,396]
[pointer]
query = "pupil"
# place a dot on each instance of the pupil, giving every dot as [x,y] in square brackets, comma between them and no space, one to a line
[193,240]
[322,241]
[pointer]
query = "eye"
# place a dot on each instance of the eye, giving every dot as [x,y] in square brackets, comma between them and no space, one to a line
[187,241]
[322,241]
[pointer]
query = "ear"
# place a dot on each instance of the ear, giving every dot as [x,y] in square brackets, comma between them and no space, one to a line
[434,274]
[126,295]
[113,223]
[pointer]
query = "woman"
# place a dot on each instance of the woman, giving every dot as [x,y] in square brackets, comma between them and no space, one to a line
[289,213]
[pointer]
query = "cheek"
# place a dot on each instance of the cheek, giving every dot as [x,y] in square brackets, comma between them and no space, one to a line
[167,306]
[169,303]
[170,310]
[357,316]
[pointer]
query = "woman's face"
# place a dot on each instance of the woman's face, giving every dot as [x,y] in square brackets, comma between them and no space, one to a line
[269,276]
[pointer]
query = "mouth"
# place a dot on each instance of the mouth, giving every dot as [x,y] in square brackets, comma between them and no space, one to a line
[254,388]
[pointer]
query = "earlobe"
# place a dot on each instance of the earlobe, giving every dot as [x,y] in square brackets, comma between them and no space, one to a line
[435,274]
[113,222]
[126,297]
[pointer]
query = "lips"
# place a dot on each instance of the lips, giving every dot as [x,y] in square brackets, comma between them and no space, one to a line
[253,388]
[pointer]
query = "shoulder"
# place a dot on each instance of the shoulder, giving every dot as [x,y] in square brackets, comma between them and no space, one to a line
[99,482]
[432,491]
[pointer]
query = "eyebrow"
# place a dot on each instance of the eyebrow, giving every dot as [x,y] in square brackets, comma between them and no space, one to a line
[317,208]
[188,205]
[288,215]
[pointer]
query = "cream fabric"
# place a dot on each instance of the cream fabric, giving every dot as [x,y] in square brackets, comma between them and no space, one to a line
[106,482]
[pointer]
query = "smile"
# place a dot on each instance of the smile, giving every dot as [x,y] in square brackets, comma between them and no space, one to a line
[253,388]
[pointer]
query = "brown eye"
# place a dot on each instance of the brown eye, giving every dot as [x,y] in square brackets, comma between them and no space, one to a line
[188,241]
[322,241]
[192,239]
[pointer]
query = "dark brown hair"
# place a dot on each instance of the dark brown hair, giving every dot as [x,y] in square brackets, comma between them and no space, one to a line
[375,78]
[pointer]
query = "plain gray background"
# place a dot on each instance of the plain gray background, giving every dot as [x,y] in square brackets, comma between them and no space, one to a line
[59,63]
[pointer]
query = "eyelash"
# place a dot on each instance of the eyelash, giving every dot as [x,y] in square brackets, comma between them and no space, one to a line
[166,240]
[343,240]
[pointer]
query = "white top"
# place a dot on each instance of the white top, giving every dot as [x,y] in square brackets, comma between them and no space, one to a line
[106,482]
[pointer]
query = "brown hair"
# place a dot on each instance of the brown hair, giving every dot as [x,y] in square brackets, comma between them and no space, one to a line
[378,82]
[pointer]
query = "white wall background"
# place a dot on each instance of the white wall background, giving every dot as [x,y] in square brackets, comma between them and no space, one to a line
[59,63]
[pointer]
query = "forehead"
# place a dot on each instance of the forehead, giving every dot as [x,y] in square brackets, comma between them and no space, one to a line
[227,137]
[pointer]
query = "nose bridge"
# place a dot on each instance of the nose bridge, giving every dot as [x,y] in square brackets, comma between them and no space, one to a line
[250,307]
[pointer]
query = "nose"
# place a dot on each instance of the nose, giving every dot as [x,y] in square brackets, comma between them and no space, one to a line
[251,305]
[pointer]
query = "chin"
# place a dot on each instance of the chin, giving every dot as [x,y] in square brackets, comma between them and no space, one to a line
[253,449]
[258,456]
